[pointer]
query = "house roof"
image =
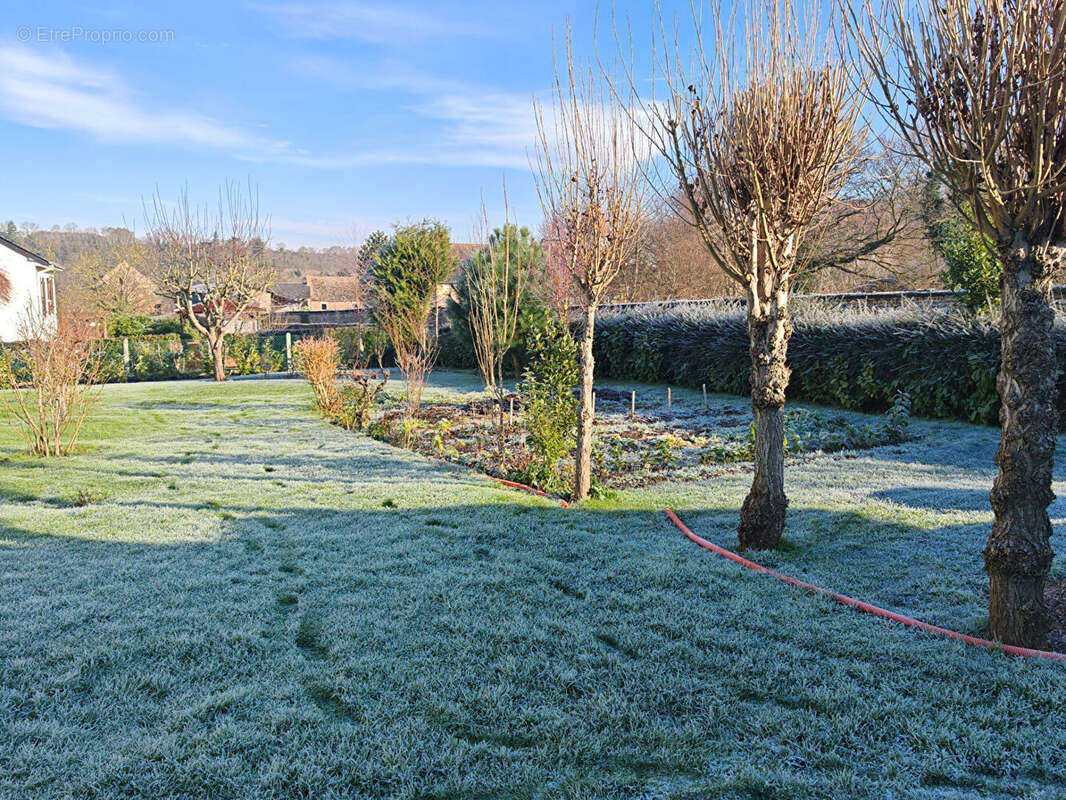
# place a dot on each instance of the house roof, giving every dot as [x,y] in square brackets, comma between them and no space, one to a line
[461,251]
[333,288]
[124,273]
[290,291]
[29,255]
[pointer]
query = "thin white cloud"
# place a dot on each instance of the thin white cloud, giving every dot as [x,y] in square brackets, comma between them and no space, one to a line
[58,92]
[368,22]
[467,125]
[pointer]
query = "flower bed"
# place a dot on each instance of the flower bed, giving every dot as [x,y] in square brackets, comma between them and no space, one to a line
[683,442]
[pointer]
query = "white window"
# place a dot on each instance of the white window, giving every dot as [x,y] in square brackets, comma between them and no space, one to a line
[48,296]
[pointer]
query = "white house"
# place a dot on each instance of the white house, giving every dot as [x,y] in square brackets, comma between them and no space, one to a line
[31,289]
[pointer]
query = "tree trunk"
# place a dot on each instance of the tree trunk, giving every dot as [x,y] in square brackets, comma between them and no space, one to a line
[762,517]
[498,369]
[218,356]
[586,414]
[1018,553]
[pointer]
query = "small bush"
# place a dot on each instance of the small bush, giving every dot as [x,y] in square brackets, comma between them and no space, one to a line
[550,405]
[973,268]
[51,378]
[244,351]
[355,399]
[318,359]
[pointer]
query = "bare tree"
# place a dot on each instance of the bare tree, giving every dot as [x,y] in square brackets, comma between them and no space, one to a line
[977,89]
[762,139]
[497,277]
[5,288]
[592,191]
[115,280]
[212,262]
[52,376]
[557,290]
[873,230]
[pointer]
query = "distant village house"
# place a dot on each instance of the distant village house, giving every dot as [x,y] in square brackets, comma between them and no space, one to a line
[319,293]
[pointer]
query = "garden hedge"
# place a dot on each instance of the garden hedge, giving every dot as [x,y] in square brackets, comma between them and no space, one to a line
[945,359]
[169,356]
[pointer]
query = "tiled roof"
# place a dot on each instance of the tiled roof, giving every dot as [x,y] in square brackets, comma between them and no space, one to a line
[290,291]
[333,288]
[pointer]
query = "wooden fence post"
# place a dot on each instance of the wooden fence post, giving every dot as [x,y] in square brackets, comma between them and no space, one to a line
[288,352]
[126,356]
[632,404]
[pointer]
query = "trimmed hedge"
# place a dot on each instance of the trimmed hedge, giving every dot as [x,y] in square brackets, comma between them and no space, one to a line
[944,359]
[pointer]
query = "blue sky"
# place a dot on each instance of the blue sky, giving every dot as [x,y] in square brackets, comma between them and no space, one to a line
[349,116]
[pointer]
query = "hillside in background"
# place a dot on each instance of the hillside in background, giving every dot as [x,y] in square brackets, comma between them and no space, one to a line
[70,245]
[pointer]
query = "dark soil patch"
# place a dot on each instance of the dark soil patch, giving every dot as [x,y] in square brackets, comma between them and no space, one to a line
[489,405]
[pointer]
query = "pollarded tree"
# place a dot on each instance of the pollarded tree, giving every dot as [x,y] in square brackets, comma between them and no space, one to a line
[762,139]
[212,261]
[977,88]
[591,188]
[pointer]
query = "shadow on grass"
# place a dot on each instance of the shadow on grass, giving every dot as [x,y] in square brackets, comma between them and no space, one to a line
[930,571]
[511,636]
[936,498]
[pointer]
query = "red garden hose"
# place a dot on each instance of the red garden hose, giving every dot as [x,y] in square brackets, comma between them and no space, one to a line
[861,606]
[867,608]
[531,490]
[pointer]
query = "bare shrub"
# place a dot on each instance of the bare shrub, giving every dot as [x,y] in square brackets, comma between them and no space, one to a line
[357,397]
[318,359]
[415,358]
[52,377]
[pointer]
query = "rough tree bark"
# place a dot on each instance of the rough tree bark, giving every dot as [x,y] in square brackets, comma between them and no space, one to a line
[586,414]
[762,517]
[218,355]
[1018,553]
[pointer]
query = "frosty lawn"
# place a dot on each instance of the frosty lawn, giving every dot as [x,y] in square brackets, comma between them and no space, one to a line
[225,596]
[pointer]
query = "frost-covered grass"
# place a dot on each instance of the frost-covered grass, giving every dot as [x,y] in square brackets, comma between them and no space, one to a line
[254,603]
